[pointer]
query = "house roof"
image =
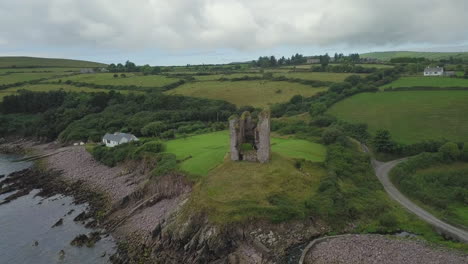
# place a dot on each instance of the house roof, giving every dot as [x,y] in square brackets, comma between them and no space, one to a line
[119,136]
[434,69]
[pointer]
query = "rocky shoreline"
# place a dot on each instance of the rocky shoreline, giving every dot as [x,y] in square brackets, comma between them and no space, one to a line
[147,217]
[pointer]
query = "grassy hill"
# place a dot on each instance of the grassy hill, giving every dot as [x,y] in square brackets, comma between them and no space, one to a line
[19,62]
[409,116]
[387,55]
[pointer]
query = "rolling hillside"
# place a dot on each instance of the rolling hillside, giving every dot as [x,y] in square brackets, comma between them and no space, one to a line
[19,62]
[387,55]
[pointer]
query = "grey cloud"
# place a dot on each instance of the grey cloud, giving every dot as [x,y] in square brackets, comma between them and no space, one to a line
[239,24]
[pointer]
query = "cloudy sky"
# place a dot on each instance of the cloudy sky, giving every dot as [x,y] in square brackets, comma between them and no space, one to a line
[177,32]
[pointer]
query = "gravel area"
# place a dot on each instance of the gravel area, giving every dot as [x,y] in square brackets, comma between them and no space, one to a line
[78,164]
[380,249]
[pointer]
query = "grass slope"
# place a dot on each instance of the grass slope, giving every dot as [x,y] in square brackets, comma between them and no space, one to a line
[409,116]
[239,191]
[255,93]
[201,153]
[428,182]
[131,79]
[10,62]
[428,82]
[387,55]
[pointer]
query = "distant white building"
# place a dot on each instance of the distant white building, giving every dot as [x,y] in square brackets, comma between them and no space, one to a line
[434,71]
[112,140]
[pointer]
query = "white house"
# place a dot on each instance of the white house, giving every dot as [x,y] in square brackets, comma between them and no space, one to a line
[434,71]
[112,140]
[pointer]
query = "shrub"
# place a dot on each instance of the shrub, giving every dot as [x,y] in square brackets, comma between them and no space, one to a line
[153,129]
[168,134]
[383,142]
[330,135]
[464,153]
[450,151]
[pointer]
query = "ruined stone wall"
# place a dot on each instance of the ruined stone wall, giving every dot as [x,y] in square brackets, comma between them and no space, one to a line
[244,130]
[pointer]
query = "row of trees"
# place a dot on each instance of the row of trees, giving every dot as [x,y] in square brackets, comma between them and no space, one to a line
[271,61]
[131,67]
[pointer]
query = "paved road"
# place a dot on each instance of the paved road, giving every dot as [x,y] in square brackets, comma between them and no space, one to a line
[382,170]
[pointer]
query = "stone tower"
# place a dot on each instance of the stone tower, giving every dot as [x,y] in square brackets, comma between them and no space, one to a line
[250,140]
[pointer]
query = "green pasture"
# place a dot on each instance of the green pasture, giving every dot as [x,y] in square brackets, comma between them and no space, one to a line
[258,93]
[130,79]
[59,70]
[215,77]
[410,116]
[24,77]
[428,82]
[201,153]
[55,87]
[317,76]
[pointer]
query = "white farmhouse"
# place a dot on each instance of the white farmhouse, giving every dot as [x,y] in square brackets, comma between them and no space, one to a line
[434,71]
[112,140]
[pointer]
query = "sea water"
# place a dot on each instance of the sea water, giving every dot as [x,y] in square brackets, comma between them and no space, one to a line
[26,232]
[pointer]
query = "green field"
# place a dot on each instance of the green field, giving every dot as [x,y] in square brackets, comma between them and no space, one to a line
[55,87]
[214,77]
[131,79]
[317,76]
[60,70]
[428,82]
[207,151]
[256,93]
[13,62]
[23,77]
[387,55]
[410,116]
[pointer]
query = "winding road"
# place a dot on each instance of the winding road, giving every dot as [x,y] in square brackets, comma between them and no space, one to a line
[382,170]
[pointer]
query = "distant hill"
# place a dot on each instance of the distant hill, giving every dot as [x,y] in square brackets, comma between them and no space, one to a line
[27,62]
[387,55]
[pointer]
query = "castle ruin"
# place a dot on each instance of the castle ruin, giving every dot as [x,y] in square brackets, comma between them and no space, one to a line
[250,140]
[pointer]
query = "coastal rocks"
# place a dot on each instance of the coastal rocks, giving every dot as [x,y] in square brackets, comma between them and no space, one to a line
[58,223]
[86,240]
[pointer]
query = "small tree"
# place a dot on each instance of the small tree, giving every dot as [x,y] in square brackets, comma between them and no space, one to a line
[383,142]
[116,75]
[123,75]
[450,151]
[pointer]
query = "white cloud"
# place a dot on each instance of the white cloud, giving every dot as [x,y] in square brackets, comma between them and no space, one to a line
[240,24]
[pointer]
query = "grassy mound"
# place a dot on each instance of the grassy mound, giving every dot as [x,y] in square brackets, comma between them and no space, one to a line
[255,93]
[238,191]
[201,153]
[409,116]
[10,62]
[428,82]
